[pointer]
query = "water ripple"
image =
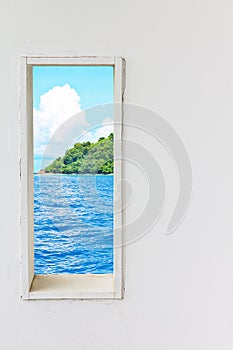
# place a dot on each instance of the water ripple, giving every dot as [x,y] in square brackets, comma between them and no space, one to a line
[73,224]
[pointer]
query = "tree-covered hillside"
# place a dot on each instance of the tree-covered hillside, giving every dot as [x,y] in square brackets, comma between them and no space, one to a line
[85,158]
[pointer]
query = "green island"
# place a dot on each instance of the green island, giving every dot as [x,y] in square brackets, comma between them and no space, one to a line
[85,158]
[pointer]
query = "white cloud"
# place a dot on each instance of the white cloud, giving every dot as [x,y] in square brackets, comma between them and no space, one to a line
[60,120]
[103,130]
[56,106]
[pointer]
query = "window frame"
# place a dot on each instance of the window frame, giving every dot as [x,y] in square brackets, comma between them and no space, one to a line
[87,286]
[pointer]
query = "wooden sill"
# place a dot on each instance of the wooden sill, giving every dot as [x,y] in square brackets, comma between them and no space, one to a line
[65,286]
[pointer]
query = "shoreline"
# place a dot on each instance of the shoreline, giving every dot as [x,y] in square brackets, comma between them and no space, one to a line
[61,174]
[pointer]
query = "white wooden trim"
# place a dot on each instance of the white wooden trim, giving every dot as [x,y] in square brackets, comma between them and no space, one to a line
[53,288]
[26,176]
[83,61]
[119,73]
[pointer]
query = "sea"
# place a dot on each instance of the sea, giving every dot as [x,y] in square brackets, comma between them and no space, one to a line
[73,224]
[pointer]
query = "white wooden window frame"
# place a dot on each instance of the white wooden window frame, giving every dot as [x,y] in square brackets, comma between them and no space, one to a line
[85,286]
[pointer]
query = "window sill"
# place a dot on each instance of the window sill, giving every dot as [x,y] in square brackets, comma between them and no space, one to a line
[86,286]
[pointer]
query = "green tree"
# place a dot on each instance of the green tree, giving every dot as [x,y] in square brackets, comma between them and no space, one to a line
[86,158]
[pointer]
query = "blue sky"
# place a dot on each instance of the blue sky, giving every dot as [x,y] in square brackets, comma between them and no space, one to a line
[59,92]
[94,84]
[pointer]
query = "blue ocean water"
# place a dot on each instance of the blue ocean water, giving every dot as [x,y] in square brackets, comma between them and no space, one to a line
[73,224]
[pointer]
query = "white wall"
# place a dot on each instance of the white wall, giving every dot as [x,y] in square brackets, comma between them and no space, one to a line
[180,63]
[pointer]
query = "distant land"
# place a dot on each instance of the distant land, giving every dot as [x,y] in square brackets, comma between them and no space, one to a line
[85,158]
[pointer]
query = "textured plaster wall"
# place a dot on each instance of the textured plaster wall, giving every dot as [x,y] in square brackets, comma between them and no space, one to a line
[179,288]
